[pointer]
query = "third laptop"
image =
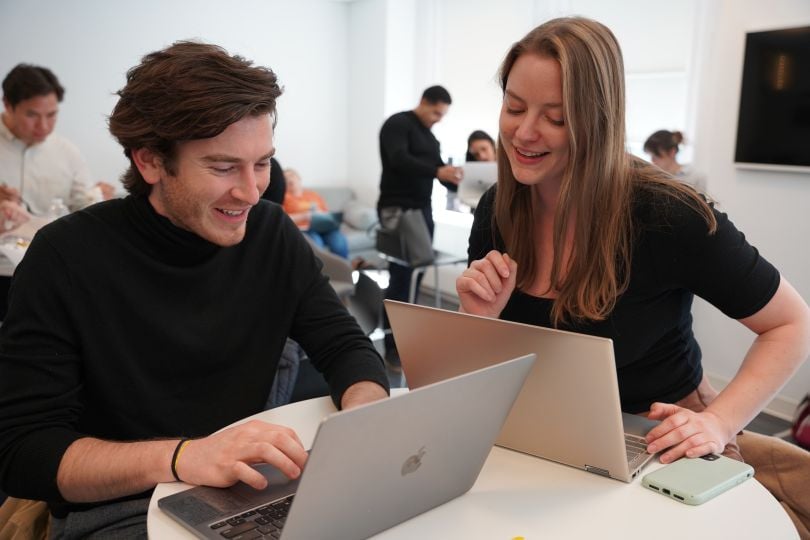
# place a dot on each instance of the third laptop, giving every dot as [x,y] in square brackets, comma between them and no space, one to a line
[568,410]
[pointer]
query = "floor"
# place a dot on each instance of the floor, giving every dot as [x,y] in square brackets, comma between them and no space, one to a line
[771,425]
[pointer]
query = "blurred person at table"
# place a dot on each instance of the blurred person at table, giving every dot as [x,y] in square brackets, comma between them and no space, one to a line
[37,165]
[663,147]
[480,146]
[579,235]
[139,327]
[308,211]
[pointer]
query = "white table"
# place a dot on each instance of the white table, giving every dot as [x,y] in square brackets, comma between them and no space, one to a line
[519,495]
[13,243]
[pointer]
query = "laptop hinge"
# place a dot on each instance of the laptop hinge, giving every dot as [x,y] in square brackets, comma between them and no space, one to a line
[597,470]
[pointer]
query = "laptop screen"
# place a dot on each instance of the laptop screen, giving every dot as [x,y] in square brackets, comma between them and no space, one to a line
[479,176]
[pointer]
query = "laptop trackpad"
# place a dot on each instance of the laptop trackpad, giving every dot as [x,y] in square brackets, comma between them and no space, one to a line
[637,425]
[202,503]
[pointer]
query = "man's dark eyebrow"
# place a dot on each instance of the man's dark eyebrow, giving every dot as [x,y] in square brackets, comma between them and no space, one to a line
[221,158]
[224,158]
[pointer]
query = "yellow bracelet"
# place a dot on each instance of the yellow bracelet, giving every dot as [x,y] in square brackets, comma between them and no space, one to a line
[177,451]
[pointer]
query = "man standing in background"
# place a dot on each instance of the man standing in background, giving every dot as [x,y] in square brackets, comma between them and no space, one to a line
[36,165]
[411,159]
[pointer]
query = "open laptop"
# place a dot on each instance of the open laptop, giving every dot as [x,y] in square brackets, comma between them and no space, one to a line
[369,468]
[479,176]
[568,410]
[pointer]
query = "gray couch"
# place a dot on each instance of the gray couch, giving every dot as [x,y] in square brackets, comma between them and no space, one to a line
[358,220]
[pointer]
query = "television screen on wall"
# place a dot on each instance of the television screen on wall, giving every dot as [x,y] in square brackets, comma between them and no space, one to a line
[774,120]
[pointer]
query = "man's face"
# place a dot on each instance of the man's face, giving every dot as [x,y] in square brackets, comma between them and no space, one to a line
[32,119]
[217,181]
[431,113]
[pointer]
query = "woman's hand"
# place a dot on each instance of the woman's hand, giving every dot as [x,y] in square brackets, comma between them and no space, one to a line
[485,287]
[683,432]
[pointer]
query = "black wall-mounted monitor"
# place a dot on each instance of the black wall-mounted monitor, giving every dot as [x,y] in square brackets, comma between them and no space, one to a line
[774,121]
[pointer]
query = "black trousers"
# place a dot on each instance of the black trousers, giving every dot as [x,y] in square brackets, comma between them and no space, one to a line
[399,282]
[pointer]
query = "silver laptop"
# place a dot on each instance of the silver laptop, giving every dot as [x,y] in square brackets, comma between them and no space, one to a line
[568,410]
[479,176]
[370,468]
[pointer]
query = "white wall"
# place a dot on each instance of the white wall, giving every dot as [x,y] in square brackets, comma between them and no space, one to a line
[770,207]
[90,45]
[367,32]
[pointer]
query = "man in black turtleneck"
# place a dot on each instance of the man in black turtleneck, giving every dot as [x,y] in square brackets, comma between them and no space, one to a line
[138,327]
[410,161]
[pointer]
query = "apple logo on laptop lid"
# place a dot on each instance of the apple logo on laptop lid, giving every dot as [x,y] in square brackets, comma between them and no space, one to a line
[413,462]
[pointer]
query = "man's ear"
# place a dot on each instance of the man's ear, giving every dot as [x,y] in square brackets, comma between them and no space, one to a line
[149,164]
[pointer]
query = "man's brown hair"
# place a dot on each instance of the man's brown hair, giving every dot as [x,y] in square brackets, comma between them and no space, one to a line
[185,92]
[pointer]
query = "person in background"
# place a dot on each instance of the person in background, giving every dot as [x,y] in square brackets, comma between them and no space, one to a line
[663,147]
[37,165]
[308,211]
[39,170]
[480,146]
[278,186]
[139,328]
[579,235]
[411,159]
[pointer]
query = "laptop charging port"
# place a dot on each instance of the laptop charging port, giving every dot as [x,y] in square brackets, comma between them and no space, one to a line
[666,491]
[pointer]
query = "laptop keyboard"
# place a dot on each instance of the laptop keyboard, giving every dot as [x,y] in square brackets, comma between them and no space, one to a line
[263,522]
[635,446]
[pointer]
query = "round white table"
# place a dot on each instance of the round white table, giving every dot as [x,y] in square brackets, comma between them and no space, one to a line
[517,495]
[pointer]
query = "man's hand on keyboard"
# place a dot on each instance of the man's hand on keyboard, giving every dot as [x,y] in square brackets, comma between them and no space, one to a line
[222,459]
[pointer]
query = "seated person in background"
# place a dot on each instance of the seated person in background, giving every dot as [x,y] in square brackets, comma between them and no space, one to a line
[623,253]
[278,186]
[138,327]
[663,147]
[37,165]
[308,211]
[480,147]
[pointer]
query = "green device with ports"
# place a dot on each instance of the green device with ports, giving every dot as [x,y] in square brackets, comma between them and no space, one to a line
[697,480]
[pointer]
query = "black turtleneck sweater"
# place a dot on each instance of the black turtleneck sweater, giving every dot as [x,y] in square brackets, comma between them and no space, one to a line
[123,327]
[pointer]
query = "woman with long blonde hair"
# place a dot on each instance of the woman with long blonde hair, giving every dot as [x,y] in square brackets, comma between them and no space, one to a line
[579,235]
